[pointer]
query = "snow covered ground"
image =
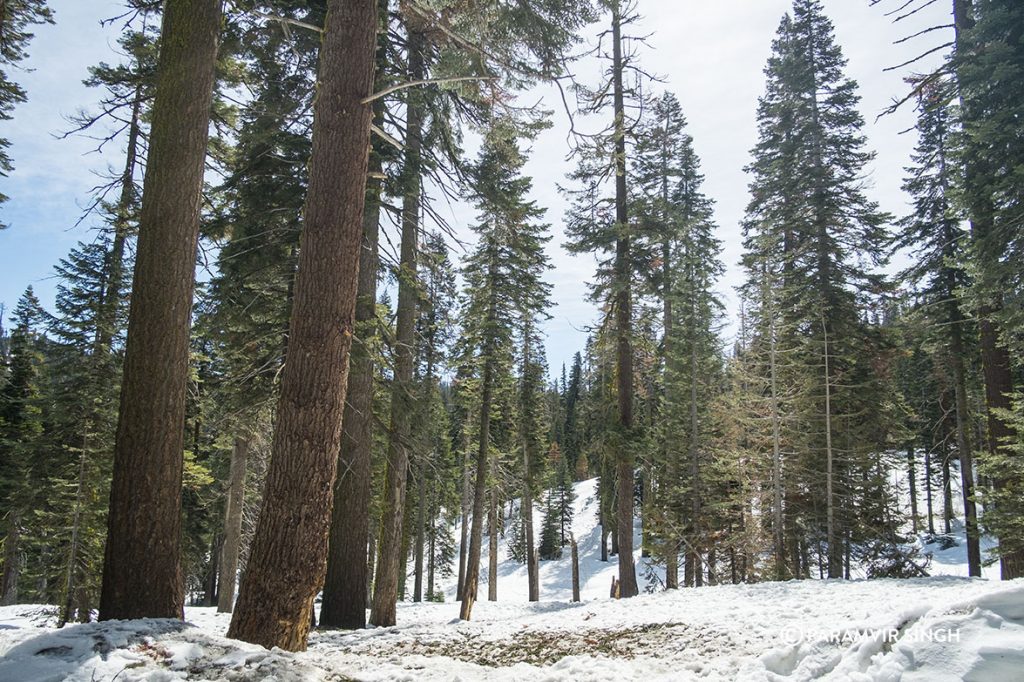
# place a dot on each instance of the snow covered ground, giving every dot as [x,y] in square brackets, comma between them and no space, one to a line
[946,627]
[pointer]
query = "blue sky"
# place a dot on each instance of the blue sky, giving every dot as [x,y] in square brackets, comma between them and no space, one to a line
[711,54]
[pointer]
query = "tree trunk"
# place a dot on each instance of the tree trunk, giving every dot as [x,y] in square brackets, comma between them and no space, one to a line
[778,538]
[435,512]
[533,577]
[233,525]
[963,447]
[469,587]
[12,560]
[421,522]
[385,593]
[995,356]
[912,478]
[947,493]
[348,559]
[928,489]
[464,530]
[623,330]
[835,562]
[575,569]
[142,574]
[288,559]
[493,524]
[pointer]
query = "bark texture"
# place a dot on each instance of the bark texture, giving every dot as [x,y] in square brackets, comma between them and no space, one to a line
[142,574]
[391,553]
[288,559]
[348,567]
[624,323]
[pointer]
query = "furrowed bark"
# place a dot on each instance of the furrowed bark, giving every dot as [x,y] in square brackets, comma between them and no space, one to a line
[142,574]
[288,559]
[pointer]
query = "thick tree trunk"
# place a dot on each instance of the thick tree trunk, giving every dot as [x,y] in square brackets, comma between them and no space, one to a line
[142,574]
[623,329]
[348,563]
[385,593]
[288,559]
[233,525]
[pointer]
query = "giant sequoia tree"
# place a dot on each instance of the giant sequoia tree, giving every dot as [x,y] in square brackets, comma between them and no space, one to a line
[142,573]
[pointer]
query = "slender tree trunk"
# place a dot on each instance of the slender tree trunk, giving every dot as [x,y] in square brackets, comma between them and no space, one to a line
[526,505]
[288,559]
[435,512]
[70,582]
[835,569]
[928,489]
[778,539]
[233,525]
[385,593]
[464,530]
[142,574]
[483,458]
[12,560]
[963,447]
[912,478]
[469,587]
[575,569]
[494,524]
[421,533]
[348,559]
[697,538]
[624,329]
[947,492]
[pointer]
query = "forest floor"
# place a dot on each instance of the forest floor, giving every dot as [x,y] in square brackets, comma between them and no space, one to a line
[944,627]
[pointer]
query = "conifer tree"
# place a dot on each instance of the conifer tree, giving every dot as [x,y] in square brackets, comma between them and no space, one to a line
[16,19]
[21,431]
[503,285]
[988,43]
[678,218]
[601,223]
[937,242]
[811,226]
[307,434]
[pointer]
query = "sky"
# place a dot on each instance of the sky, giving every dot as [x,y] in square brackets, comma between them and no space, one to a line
[710,54]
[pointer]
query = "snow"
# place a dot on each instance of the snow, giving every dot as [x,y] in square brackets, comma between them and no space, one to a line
[946,627]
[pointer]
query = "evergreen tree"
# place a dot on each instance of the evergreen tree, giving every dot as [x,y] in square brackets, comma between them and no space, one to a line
[987,64]
[502,286]
[16,19]
[22,412]
[937,242]
[811,228]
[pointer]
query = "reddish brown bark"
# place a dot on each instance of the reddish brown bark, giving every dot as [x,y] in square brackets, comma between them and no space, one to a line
[142,569]
[288,559]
